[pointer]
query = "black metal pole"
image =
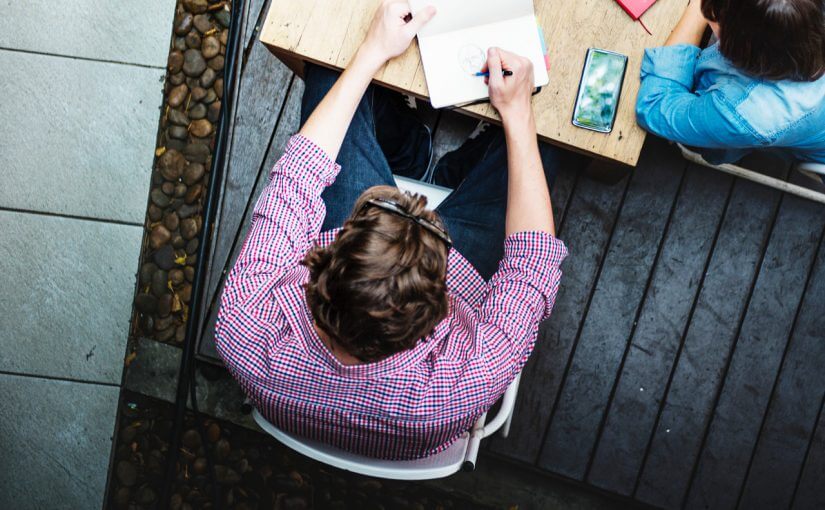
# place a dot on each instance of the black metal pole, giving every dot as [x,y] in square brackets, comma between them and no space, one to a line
[234,51]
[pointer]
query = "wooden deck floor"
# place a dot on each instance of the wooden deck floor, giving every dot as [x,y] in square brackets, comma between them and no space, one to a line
[683,363]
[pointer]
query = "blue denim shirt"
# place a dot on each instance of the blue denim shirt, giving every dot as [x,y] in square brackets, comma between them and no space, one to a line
[698,98]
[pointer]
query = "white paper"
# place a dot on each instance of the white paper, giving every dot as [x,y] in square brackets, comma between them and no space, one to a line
[454,15]
[454,45]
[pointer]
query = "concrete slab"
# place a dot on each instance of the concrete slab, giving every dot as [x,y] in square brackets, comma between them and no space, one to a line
[133,32]
[77,137]
[56,439]
[67,295]
[154,372]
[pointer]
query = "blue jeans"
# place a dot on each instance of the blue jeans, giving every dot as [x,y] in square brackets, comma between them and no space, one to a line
[474,212]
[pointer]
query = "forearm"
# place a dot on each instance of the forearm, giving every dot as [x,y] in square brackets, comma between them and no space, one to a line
[691,27]
[528,198]
[328,123]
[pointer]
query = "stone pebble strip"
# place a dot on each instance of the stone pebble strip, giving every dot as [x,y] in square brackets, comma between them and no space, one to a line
[191,109]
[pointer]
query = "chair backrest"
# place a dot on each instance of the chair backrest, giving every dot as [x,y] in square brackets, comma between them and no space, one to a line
[436,466]
[758,177]
[810,166]
[462,454]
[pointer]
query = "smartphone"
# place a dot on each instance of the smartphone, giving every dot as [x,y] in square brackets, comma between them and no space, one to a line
[599,90]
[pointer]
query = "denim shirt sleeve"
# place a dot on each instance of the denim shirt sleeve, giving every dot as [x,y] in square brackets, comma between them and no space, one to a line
[668,107]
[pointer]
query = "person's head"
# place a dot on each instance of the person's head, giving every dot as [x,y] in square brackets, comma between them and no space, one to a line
[771,39]
[381,285]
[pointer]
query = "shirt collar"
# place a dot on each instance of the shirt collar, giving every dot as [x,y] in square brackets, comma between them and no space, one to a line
[298,316]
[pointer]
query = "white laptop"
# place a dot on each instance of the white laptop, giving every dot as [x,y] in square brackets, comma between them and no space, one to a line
[454,45]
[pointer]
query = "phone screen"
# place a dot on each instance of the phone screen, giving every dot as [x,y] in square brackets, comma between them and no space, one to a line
[599,91]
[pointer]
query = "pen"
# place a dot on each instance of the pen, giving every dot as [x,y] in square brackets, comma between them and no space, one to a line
[487,73]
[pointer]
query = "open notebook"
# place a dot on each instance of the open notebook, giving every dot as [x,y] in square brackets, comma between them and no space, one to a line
[454,45]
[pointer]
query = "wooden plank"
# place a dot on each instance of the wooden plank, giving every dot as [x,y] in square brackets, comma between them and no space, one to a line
[257,12]
[357,25]
[329,22]
[227,150]
[288,124]
[610,320]
[758,354]
[263,88]
[705,351]
[795,403]
[329,31]
[560,194]
[661,325]
[809,493]
[286,22]
[586,230]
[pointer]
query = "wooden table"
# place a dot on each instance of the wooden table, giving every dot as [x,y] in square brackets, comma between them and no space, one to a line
[328,32]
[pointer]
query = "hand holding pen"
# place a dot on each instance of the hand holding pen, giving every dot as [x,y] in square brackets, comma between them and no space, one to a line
[485,71]
[512,97]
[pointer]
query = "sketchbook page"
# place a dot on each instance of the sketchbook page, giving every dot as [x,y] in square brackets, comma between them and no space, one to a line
[452,15]
[452,59]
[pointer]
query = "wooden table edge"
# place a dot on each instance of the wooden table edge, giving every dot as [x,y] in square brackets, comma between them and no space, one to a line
[296,62]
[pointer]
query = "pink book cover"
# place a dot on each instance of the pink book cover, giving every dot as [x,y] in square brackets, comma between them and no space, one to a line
[635,8]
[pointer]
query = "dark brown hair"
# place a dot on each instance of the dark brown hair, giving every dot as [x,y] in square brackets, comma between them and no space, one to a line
[381,285]
[772,39]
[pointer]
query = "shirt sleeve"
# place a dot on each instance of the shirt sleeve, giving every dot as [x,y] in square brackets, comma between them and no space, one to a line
[667,105]
[520,295]
[285,222]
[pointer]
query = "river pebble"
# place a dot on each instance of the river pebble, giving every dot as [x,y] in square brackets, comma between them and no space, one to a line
[193,62]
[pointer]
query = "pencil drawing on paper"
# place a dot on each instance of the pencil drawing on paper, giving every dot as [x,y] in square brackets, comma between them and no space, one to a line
[471,58]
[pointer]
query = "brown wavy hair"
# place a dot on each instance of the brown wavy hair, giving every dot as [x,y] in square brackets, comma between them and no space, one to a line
[381,285]
[771,39]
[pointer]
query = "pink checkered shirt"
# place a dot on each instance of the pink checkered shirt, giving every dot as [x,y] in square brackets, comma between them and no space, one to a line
[410,405]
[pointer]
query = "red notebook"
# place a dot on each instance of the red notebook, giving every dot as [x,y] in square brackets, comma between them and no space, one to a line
[635,8]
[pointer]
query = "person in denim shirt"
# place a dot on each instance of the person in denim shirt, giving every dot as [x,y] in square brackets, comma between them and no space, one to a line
[760,86]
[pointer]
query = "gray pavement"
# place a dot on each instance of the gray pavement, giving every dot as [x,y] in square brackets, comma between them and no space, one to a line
[81,95]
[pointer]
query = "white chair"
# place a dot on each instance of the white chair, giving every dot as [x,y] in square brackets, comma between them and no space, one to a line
[462,454]
[738,171]
[812,169]
[435,194]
